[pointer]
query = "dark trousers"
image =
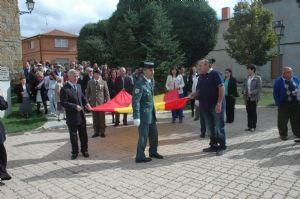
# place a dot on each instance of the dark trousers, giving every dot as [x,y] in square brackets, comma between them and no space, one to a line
[82,137]
[213,126]
[202,121]
[145,131]
[230,106]
[192,106]
[99,122]
[3,161]
[118,118]
[251,113]
[286,113]
[38,107]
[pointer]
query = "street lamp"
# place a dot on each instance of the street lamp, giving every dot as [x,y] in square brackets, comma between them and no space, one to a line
[30,7]
[279,30]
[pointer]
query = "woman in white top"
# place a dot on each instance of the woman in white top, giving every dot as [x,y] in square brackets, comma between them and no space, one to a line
[51,94]
[175,81]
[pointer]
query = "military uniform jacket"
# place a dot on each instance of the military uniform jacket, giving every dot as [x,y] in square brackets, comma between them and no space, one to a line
[142,101]
[97,93]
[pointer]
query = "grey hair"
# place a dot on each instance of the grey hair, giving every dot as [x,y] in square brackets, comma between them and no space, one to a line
[287,68]
[72,72]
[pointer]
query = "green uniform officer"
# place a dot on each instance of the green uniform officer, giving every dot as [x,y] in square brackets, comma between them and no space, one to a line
[144,114]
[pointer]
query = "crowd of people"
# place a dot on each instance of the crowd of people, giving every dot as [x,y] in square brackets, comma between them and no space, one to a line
[74,89]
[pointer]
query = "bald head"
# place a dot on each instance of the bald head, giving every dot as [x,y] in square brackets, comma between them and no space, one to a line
[287,73]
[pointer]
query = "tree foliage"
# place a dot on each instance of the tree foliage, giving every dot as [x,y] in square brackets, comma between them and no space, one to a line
[168,32]
[250,35]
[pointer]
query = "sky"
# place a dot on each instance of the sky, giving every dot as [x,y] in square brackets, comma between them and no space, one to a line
[71,15]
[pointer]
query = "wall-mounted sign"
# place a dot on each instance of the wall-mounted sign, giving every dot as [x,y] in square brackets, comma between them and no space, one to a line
[4,74]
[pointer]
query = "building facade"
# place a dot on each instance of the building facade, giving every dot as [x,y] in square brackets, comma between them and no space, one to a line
[10,48]
[10,38]
[55,47]
[288,12]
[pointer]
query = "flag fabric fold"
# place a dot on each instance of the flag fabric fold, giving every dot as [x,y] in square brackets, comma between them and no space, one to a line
[121,103]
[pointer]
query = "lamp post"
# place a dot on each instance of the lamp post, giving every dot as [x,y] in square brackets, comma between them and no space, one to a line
[279,30]
[30,7]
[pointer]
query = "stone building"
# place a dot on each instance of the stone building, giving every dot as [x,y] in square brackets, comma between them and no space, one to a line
[10,38]
[10,44]
[286,11]
[55,46]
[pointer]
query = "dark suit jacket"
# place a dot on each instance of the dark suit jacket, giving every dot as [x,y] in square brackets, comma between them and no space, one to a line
[112,88]
[69,99]
[84,82]
[19,90]
[232,87]
[128,84]
[3,106]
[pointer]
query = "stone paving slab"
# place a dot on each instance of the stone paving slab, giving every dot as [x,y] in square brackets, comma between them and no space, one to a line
[256,165]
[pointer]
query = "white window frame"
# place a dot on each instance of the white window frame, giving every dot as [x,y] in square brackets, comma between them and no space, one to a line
[61,43]
[31,44]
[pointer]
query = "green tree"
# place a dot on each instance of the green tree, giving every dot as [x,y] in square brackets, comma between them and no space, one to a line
[93,43]
[196,25]
[250,36]
[162,47]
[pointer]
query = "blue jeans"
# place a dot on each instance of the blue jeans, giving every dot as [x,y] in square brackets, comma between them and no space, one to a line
[180,111]
[213,122]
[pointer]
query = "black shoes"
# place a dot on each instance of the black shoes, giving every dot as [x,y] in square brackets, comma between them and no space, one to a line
[5,177]
[202,135]
[95,135]
[210,149]
[157,156]
[85,154]
[284,138]
[116,124]
[103,135]
[145,160]
[74,156]
[125,123]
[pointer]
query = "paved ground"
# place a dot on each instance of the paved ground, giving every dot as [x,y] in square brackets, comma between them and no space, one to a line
[257,165]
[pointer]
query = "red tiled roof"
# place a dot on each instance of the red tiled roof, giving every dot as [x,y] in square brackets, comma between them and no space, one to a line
[60,33]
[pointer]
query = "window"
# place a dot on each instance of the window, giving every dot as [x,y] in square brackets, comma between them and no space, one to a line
[62,61]
[61,43]
[31,44]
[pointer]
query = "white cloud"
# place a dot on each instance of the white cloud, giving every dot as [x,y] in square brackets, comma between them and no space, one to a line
[66,15]
[71,15]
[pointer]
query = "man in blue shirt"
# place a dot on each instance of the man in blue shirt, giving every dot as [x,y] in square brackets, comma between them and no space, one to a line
[285,96]
[210,93]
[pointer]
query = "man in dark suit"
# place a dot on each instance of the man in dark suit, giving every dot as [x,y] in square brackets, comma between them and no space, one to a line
[86,79]
[3,156]
[123,82]
[73,100]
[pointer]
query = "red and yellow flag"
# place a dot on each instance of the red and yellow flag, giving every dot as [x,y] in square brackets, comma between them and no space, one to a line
[121,103]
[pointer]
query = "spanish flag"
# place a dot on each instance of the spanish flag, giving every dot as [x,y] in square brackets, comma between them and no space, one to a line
[121,103]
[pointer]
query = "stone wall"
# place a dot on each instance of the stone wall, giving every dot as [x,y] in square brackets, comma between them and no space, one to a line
[10,39]
[10,46]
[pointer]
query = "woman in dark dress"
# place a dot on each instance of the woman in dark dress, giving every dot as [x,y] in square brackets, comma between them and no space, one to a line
[23,97]
[230,95]
[111,83]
